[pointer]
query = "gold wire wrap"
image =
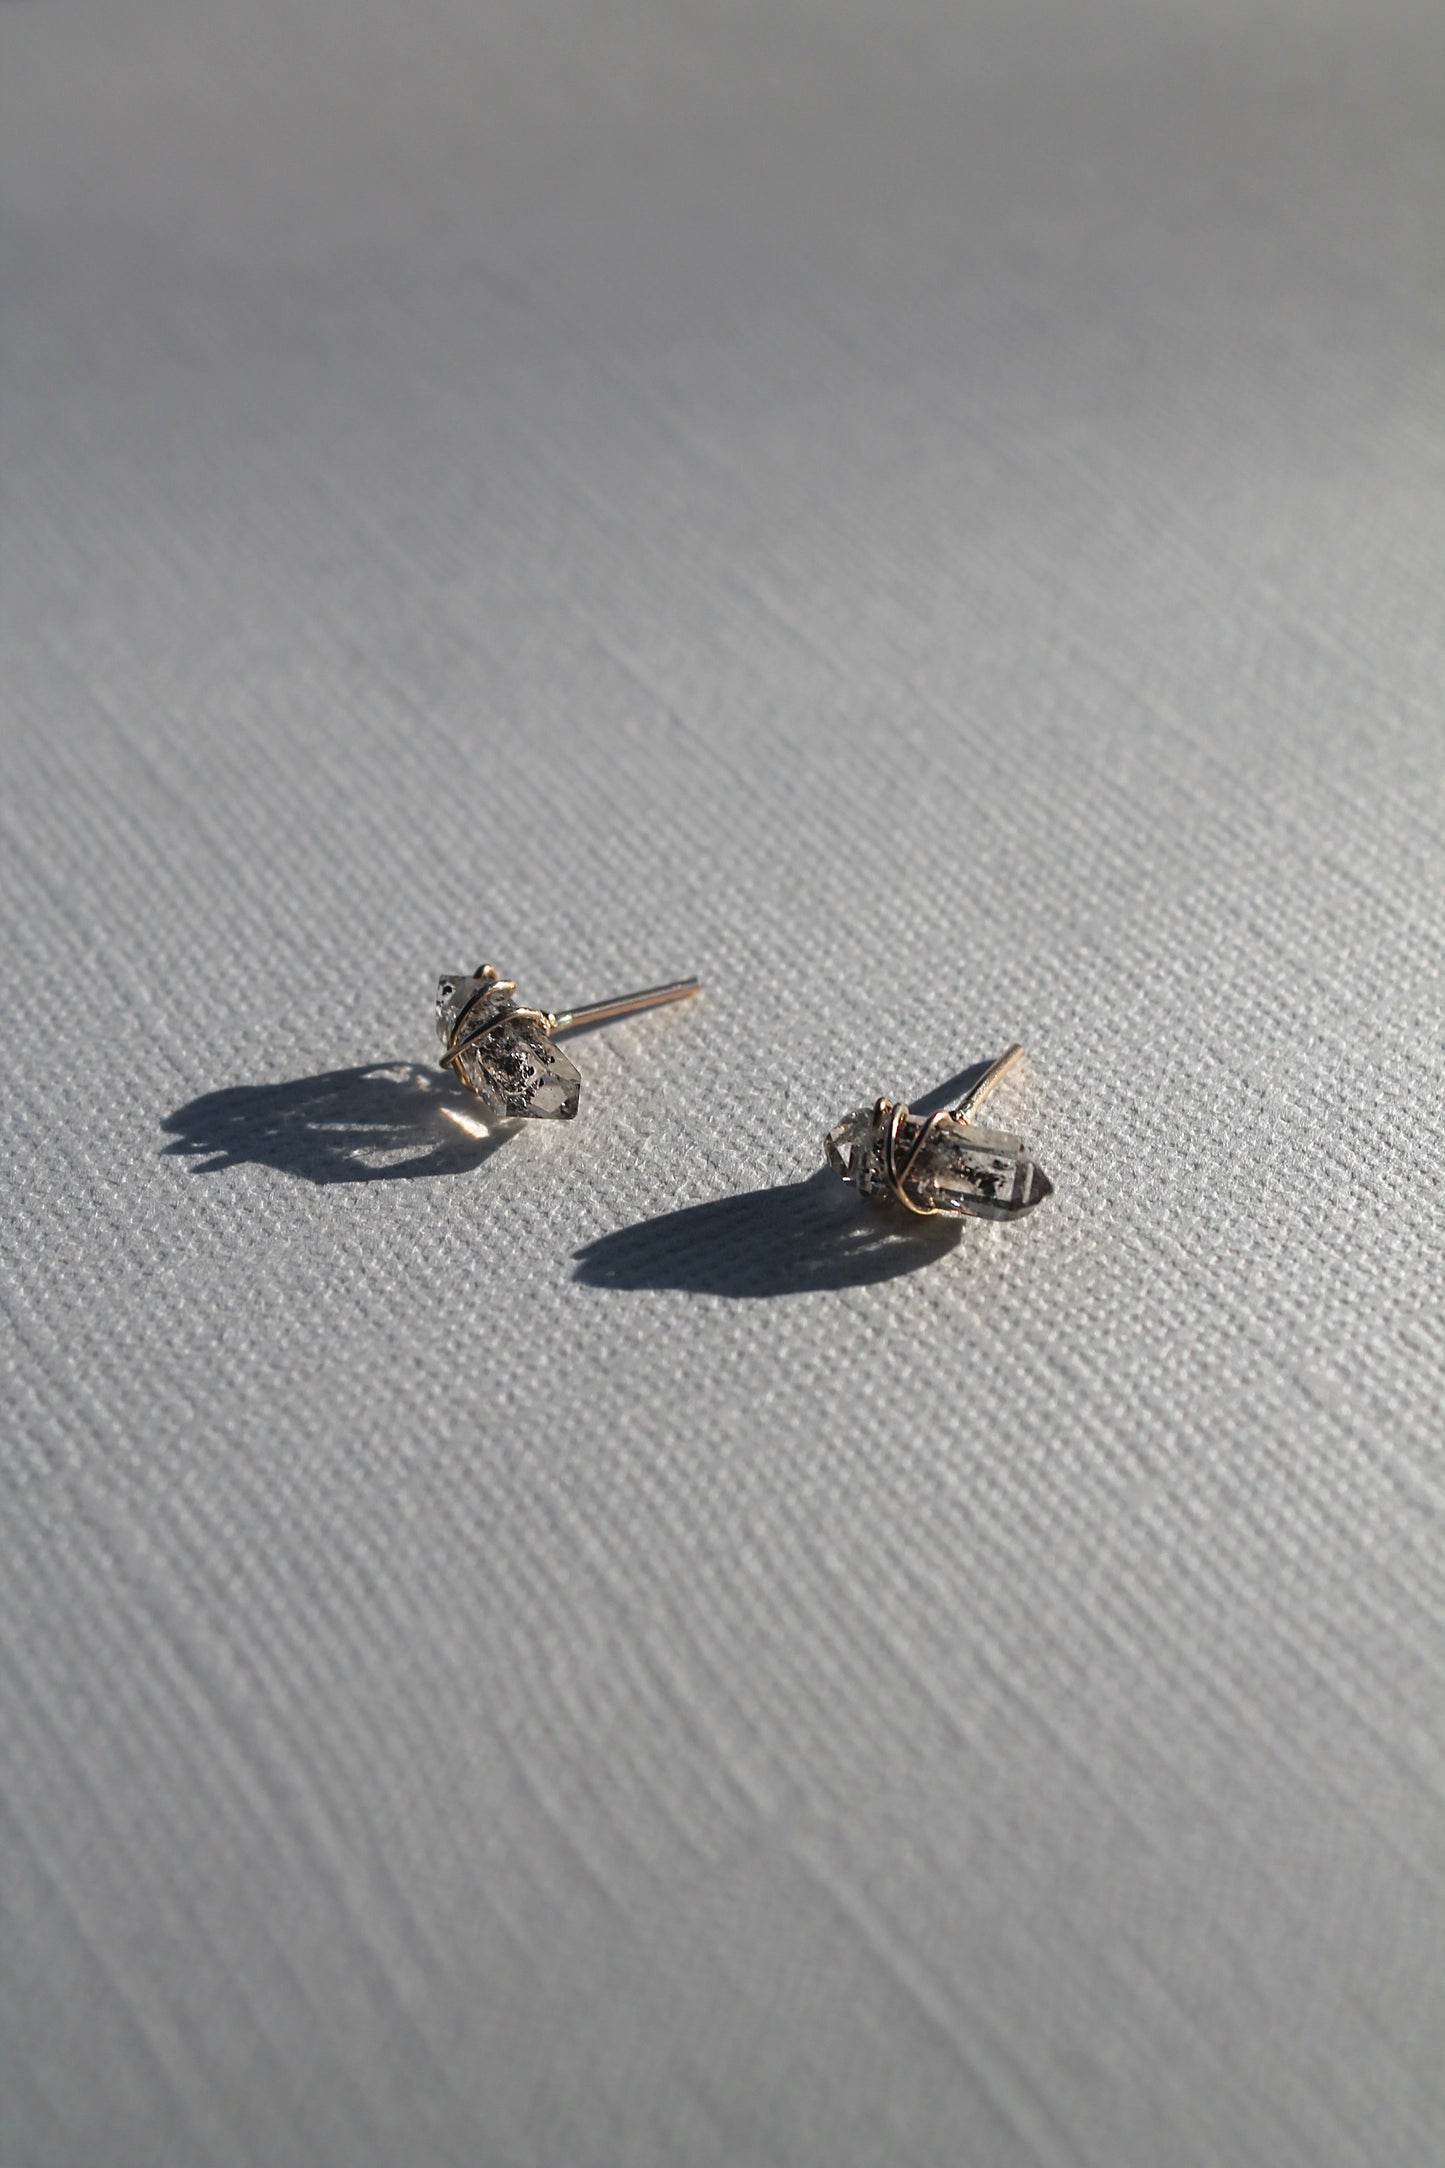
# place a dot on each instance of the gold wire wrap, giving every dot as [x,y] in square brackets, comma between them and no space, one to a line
[897,1175]
[457,1047]
[490,985]
[895,1114]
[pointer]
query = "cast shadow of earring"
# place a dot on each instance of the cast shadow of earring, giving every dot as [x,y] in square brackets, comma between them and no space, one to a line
[382,1122]
[792,1239]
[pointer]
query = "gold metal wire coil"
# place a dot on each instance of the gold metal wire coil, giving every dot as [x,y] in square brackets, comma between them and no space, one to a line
[895,1114]
[894,1174]
[456,1046]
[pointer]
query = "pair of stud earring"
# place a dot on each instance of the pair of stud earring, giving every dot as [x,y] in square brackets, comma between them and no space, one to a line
[935,1166]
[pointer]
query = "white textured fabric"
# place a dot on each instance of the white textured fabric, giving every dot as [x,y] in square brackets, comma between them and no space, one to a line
[583,1651]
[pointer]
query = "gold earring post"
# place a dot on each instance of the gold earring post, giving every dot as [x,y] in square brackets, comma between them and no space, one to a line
[602,1012]
[994,1074]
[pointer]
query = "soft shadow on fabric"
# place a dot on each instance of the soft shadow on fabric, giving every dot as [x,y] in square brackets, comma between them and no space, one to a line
[791,1239]
[384,1122]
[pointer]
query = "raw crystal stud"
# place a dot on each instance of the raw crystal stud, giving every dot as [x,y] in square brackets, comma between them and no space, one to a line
[505,1052]
[939,1163]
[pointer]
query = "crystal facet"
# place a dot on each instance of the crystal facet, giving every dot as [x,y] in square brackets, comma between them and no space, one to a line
[959,1169]
[507,1058]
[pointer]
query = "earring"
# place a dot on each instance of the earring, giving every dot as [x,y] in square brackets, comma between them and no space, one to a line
[939,1164]
[504,1052]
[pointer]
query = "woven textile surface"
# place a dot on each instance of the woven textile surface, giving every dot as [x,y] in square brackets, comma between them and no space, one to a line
[585,1648]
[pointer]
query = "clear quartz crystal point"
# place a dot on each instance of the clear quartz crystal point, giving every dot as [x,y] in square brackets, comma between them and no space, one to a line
[960,1170]
[515,1069]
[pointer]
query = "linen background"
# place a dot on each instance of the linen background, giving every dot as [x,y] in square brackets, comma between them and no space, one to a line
[585,1651]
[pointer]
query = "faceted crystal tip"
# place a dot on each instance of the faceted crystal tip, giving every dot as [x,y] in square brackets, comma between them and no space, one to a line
[1039,1187]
